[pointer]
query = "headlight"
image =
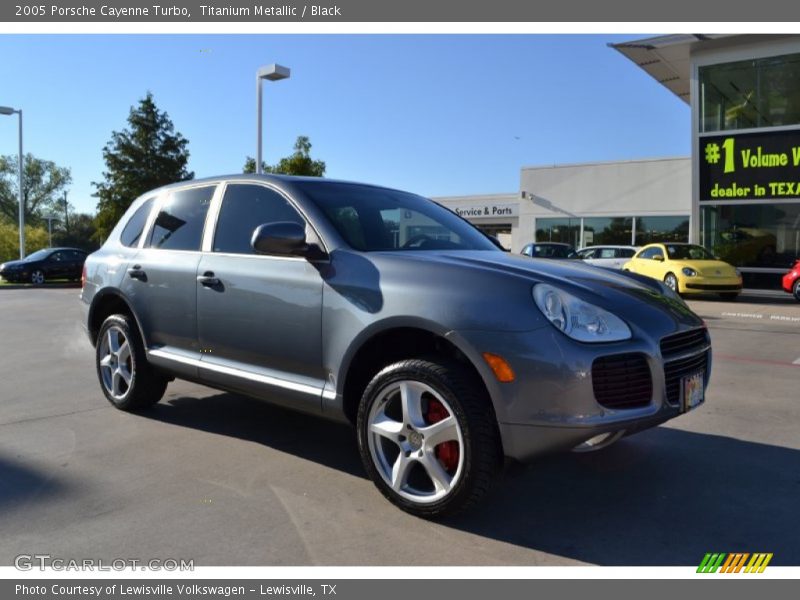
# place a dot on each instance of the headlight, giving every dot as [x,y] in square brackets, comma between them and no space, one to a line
[689,272]
[578,319]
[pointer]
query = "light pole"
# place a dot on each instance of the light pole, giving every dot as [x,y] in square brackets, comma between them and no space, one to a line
[272,73]
[50,219]
[5,110]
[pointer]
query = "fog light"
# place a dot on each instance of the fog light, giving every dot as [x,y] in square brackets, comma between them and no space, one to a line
[501,369]
[599,442]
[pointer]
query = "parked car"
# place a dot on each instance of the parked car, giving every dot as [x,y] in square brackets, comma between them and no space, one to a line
[687,269]
[610,257]
[549,250]
[791,281]
[382,309]
[48,263]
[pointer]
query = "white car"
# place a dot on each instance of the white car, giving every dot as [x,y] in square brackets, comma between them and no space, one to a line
[610,257]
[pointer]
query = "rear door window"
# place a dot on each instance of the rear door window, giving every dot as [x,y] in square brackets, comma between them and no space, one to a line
[180,222]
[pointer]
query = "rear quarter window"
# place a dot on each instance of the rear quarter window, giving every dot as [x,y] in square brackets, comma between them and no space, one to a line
[132,232]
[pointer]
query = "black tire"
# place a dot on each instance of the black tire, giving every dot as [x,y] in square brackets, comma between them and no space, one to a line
[479,448]
[730,296]
[146,386]
[796,290]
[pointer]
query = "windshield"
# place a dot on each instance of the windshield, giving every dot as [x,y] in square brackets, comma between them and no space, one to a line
[372,219]
[38,255]
[688,252]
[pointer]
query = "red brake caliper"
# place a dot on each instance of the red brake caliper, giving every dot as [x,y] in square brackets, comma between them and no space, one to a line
[446,452]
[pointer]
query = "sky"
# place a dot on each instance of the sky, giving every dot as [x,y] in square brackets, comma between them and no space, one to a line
[437,115]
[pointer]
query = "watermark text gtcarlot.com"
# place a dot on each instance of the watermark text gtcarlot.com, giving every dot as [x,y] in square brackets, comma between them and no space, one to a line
[30,562]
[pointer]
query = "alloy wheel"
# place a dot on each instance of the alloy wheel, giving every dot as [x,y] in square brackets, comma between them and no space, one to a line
[415,441]
[37,277]
[116,364]
[672,282]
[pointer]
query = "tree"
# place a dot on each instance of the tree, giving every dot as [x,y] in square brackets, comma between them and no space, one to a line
[81,233]
[147,155]
[43,184]
[299,163]
[36,238]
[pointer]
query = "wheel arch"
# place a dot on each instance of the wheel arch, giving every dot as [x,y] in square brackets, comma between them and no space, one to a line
[391,341]
[106,303]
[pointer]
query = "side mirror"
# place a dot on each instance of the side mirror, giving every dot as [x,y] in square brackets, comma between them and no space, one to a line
[286,238]
[658,257]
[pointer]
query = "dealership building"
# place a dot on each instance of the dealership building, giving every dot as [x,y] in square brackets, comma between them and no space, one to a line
[739,192]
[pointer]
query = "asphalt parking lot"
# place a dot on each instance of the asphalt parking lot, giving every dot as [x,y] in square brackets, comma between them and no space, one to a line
[225,480]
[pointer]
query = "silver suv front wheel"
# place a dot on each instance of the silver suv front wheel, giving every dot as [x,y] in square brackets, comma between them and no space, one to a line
[428,436]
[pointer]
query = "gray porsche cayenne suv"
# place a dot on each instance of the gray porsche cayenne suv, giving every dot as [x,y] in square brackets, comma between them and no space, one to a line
[383,309]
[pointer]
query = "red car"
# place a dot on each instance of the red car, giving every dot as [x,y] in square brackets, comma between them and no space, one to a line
[791,281]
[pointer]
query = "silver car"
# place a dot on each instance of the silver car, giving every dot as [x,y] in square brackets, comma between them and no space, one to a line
[610,257]
[382,309]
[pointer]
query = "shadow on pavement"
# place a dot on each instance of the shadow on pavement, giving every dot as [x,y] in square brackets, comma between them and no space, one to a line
[662,497]
[325,442]
[22,484]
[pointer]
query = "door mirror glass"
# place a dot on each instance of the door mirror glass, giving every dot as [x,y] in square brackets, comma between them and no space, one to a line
[284,238]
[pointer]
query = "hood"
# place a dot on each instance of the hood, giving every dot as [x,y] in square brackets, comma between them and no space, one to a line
[12,263]
[636,298]
[709,268]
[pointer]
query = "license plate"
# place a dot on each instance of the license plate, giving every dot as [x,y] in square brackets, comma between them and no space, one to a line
[692,391]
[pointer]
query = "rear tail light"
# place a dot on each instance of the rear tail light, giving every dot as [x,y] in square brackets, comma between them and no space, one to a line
[83,277]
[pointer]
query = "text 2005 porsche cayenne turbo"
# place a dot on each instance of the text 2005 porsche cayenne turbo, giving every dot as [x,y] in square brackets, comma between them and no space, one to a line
[381,308]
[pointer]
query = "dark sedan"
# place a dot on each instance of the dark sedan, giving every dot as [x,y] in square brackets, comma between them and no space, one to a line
[44,264]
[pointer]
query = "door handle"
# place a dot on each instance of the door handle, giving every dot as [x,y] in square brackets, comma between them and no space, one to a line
[207,279]
[136,272]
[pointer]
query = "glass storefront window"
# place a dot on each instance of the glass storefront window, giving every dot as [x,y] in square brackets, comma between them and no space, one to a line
[662,229]
[607,230]
[761,235]
[752,93]
[567,231]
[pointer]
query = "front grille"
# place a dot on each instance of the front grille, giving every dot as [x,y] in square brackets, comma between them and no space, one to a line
[622,381]
[684,353]
[713,287]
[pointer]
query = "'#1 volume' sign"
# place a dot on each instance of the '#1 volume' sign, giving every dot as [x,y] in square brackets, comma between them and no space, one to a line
[750,166]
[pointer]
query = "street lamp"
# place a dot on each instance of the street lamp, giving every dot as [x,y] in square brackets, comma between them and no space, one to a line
[5,110]
[272,73]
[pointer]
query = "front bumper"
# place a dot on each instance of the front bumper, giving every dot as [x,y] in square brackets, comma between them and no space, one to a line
[551,404]
[788,282]
[704,285]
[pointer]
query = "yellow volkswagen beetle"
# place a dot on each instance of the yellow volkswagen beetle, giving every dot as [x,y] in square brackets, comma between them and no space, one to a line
[687,269]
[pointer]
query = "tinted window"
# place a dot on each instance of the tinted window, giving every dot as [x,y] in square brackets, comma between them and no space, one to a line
[179,224]
[57,257]
[372,219]
[625,252]
[607,253]
[651,252]
[133,230]
[244,208]
[585,254]
[689,252]
[527,250]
